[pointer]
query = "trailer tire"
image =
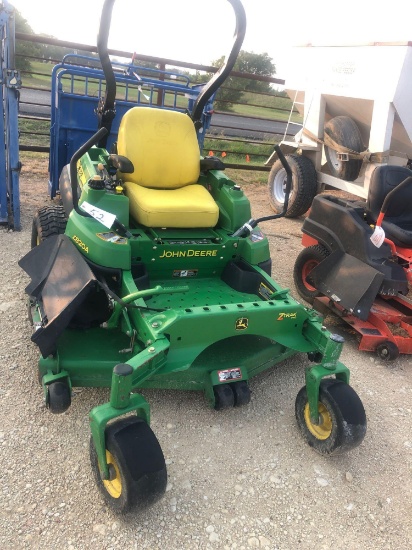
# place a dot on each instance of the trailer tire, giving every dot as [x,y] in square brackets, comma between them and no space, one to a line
[344,131]
[48,221]
[304,186]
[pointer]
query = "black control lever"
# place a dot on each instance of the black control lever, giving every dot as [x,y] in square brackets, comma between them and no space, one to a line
[248,227]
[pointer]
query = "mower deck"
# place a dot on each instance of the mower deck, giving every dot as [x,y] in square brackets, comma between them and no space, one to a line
[388,321]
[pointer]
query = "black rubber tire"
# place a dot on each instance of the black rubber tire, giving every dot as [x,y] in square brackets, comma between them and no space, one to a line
[344,418]
[344,131]
[241,391]
[58,398]
[307,259]
[224,397]
[48,221]
[138,464]
[387,351]
[304,186]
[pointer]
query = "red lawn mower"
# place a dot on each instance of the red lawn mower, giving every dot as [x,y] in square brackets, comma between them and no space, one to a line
[357,261]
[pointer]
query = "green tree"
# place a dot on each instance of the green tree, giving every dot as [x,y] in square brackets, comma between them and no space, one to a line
[247,62]
[25,50]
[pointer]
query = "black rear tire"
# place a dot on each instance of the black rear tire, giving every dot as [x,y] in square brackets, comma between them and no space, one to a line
[48,221]
[307,260]
[344,131]
[304,186]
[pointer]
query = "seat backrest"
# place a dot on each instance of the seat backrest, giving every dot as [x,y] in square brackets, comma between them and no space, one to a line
[384,179]
[162,146]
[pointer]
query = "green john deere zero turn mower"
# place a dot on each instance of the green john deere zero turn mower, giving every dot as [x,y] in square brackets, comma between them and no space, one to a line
[161,279]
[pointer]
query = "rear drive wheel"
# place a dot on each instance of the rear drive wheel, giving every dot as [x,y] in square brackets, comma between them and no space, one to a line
[48,221]
[344,131]
[387,351]
[137,467]
[307,260]
[342,418]
[303,190]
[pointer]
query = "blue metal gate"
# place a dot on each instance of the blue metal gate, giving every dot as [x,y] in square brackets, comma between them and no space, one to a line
[9,134]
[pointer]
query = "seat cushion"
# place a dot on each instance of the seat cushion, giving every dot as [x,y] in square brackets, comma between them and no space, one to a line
[162,146]
[401,235]
[383,180]
[191,206]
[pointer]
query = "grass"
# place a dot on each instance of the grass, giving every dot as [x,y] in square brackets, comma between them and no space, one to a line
[272,107]
[34,132]
[239,152]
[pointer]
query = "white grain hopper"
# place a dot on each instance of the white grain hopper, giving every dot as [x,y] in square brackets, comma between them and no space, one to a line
[370,84]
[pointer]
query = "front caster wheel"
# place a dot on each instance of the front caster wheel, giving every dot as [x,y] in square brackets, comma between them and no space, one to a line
[342,419]
[224,397]
[137,467]
[387,351]
[241,392]
[58,396]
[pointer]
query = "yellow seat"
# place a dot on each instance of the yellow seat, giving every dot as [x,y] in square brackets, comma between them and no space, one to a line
[163,189]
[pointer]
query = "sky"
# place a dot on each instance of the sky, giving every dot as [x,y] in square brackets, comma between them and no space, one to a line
[200,31]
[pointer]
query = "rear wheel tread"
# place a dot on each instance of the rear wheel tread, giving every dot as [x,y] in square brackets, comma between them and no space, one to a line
[316,254]
[48,221]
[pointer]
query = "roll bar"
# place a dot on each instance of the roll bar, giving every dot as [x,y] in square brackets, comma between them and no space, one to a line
[106,109]
[224,71]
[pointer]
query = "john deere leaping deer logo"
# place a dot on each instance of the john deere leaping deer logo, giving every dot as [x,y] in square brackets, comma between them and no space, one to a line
[242,323]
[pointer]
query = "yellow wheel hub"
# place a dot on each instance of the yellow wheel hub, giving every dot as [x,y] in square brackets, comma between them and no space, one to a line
[113,486]
[324,428]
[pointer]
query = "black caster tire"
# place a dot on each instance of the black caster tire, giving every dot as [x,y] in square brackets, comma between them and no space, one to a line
[137,465]
[242,393]
[387,351]
[343,419]
[224,397]
[307,260]
[58,398]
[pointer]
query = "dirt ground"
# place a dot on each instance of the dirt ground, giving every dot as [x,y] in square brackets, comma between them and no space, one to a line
[238,479]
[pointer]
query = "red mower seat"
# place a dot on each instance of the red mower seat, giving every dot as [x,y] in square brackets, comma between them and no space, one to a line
[397,222]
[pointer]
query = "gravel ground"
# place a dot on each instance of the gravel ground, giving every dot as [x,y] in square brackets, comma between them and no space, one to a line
[238,479]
